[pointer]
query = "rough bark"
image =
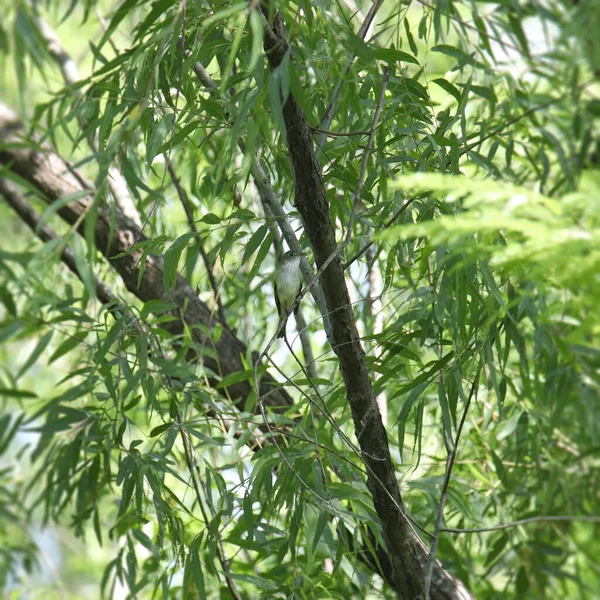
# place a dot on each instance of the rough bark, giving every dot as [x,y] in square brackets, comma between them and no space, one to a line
[54,177]
[405,552]
[115,234]
[312,204]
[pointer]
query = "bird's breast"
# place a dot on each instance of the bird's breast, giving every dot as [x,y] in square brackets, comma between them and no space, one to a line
[288,282]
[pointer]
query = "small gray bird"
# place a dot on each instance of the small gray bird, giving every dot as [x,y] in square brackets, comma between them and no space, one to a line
[288,283]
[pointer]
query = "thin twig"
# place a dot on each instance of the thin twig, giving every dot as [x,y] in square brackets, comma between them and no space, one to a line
[390,222]
[327,117]
[444,494]
[183,197]
[338,134]
[542,519]
[106,296]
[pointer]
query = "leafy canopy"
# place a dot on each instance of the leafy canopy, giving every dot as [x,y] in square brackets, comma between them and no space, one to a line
[481,197]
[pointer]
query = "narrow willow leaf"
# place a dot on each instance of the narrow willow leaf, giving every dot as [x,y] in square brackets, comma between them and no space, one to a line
[256,26]
[409,37]
[193,576]
[448,87]
[391,55]
[171,260]
[254,242]
[158,136]
[35,354]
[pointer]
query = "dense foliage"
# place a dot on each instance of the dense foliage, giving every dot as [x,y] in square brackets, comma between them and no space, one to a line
[128,463]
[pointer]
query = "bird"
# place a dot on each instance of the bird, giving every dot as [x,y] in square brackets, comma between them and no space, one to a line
[287,284]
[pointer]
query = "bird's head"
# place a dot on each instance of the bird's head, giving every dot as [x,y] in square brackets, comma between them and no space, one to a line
[291,256]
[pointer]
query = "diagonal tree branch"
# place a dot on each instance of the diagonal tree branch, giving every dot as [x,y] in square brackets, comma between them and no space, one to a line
[311,202]
[106,296]
[70,73]
[406,554]
[115,237]
[28,215]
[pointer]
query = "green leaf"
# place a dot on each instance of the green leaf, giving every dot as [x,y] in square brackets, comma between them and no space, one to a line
[141,537]
[14,393]
[156,307]
[193,576]
[110,339]
[210,219]
[256,26]
[233,51]
[235,377]
[61,203]
[71,342]
[159,134]
[462,57]
[254,242]
[448,87]
[410,38]
[171,261]
[260,582]
[35,354]
[279,89]
[119,15]
[320,527]
[390,55]
[160,429]
[8,301]
[84,266]
[159,7]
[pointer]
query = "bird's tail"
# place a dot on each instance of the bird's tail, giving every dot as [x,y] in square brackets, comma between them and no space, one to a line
[282,332]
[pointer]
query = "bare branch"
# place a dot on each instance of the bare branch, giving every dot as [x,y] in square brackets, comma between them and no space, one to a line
[542,519]
[115,236]
[183,197]
[70,73]
[312,204]
[444,494]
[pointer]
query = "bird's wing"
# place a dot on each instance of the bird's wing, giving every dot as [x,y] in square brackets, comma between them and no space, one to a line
[298,305]
[277,298]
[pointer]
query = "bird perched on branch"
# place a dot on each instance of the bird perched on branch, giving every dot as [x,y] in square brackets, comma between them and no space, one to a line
[288,283]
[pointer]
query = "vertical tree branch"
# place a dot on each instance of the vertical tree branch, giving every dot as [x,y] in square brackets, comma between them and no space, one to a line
[312,204]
